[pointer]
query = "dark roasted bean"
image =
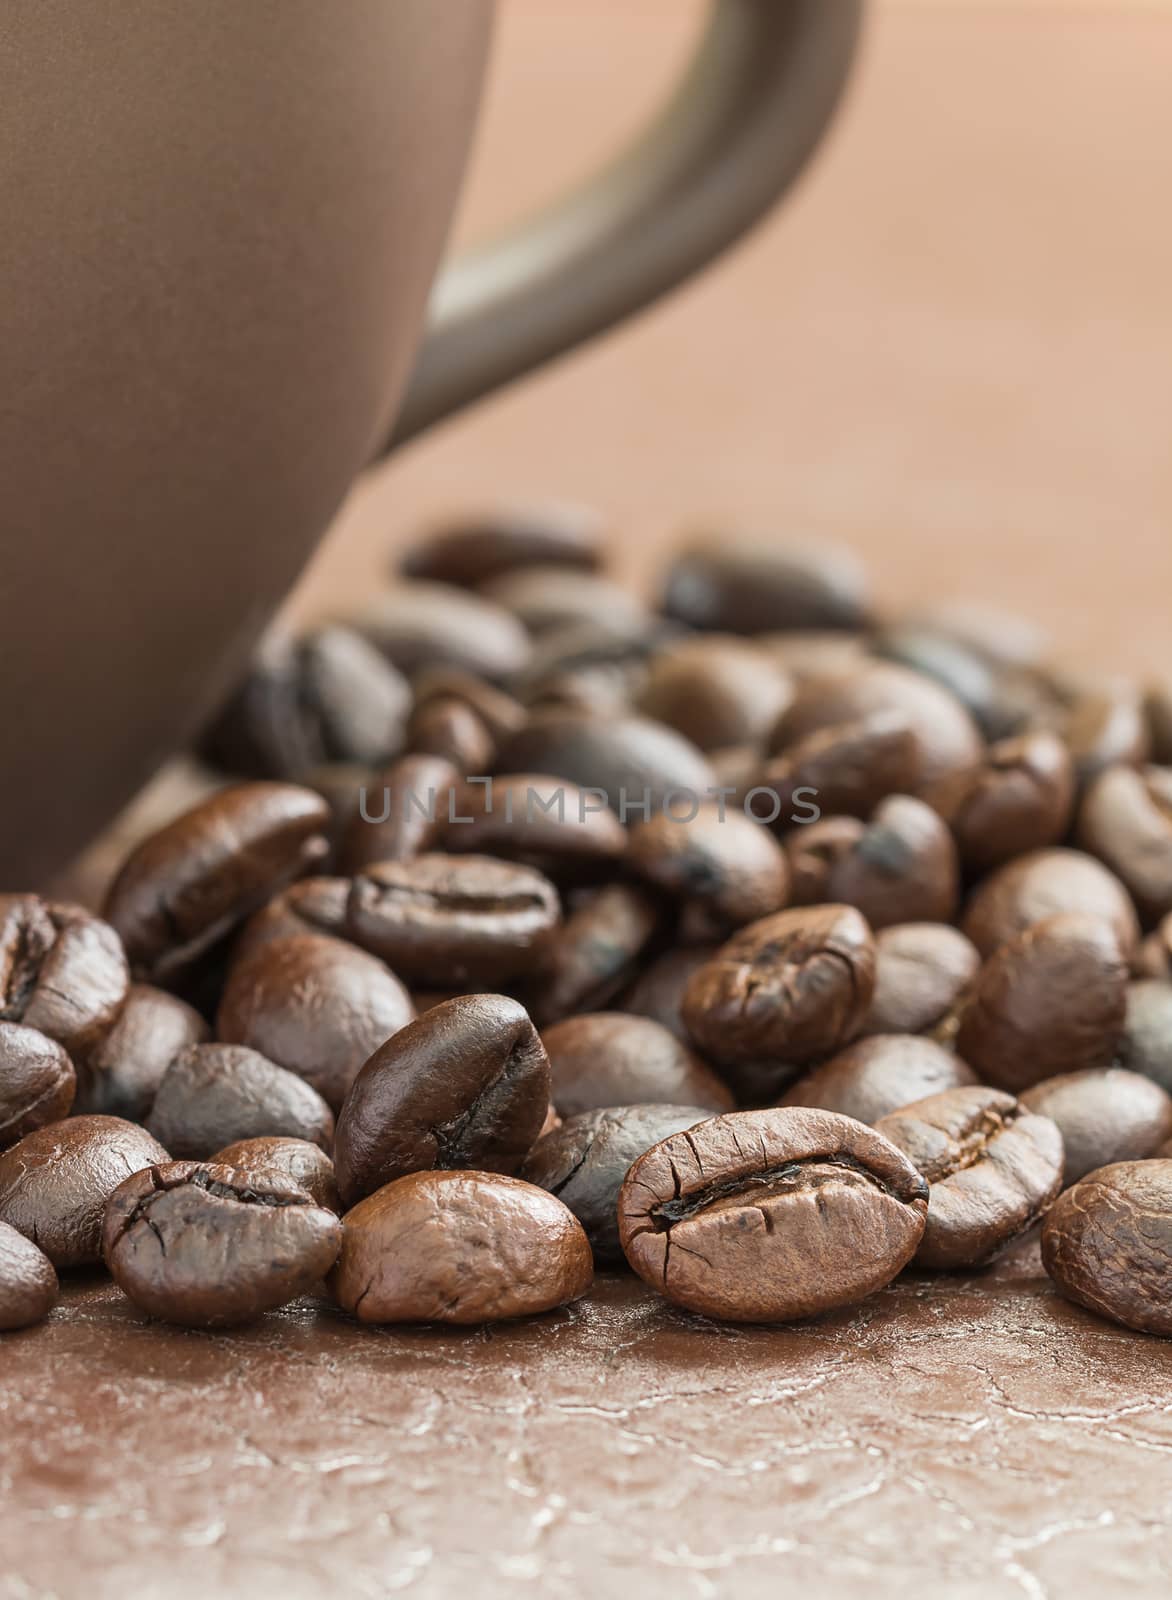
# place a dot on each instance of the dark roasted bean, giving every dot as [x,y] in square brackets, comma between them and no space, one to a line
[472,551]
[121,1075]
[718,861]
[567,833]
[28,1284]
[403,814]
[62,970]
[716,691]
[608,1058]
[742,583]
[419,625]
[1020,800]
[585,962]
[214,1094]
[902,867]
[844,769]
[307,1164]
[37,1081]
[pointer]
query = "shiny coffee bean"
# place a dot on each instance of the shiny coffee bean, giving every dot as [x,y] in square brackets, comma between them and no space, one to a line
[440,919]
[313,906]
[946,738]
[741,583]
[191,883]
[121,1075]
[315,1006]
[327,696]
[548,598]
[993,1167]
[844,769]
[460,1247]
[922,971]
[207,1246]
[1104,1116]
[876,1076]
[716,861]
[418,625]
[473,551]
[794,987]
[1021,799]
[586,1159]
[403,813]
[813,851]
[903,866]
[716,691]
[62,970]
[658,991]
[55,1183]
[586,961]
[1146,1045]
[37,1081]
[567,833]
[465,1085]
[771,1216]
[1126,821]
[306,1164]
[214,1094]
[1107,1244]
[636,763]
[1052,1000]
[1042,884]
[453,731]
[28,1284]
[608,1058]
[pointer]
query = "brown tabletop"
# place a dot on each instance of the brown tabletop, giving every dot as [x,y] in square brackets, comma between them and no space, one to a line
[954,351]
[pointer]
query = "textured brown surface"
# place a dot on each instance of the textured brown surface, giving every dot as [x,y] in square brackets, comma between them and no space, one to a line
[954,351]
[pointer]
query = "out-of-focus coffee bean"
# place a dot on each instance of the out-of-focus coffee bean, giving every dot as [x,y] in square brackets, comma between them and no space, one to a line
[658,991]
[569,834]
[1051,1000]
[1146,1045]
[418,625]
[479,548]
[745,583]
[1003,638]
[716,691]
[499,712]
[583,964]
[1157,704]
[312,906]
[875,1076]
[610,1058]
[902,867]
[813,850]
[922,971]
[403,814]
[214,1094]
[1032,887]
[1104,1115]
[1104,726]
[844,769]
[1153,959]
[1020,800]
[1126,821]
[949,662]
[719,862]
[121,1075]
[550,597]
[814,652]
[451,729]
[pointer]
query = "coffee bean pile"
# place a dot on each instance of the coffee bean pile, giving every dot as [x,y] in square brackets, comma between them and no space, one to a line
[752,940]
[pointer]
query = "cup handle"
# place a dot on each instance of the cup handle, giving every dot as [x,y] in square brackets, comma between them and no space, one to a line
[752,106]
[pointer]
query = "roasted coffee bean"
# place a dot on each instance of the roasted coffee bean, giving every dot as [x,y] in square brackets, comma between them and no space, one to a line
[313,906]
[608,1058]
[813,851]
[771,1216]
[207,1246]
[585,1160]
[460,1247]
[1020,800]
[601,691]
[951,663]
[439,918]
[419,625]
[1104,727]
[993,1167]
[1003,638]
[473,551]
[719,862]
[1107,1244]
[37,1081]
[636,763]
[1052,1000]
[465,1085]
[844,769]
[583,964]
[121,1075]
[316,1006]
[1146,1045]
[342,785]
[741,583]
[450,729]
[592,650]
[62,970]
[946,738]
[55,1183]
[903,866]
[658,991]
[922,971]
[1157,704]
[716,691]
[567,833]
[1153,959]
[306,1164]
[327,696]
[1126,821]
[191,883]
[1042,884]
[28,1284]
[875,1076]
[403,813]
[792,987]
[807,653]
[554,597]
[500,713]
[216,1093]
[1104,1116]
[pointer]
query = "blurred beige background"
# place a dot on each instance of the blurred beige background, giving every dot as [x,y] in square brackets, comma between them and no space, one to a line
[952,348]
